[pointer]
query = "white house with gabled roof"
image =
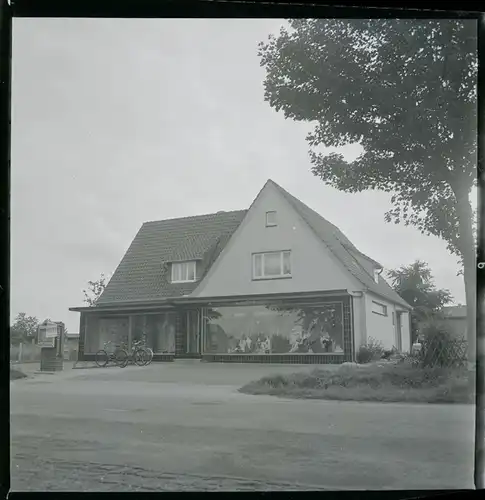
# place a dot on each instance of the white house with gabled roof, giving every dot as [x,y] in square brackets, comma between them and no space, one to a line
[276,282]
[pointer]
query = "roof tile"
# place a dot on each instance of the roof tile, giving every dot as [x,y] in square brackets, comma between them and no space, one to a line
[143,272]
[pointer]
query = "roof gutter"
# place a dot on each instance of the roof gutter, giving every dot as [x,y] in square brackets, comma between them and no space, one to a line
[272,296]
[122,306]
[172,302]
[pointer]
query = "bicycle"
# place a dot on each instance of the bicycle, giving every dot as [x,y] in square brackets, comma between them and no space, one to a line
[148,352]
[119,356]
[138,355]
[150,355]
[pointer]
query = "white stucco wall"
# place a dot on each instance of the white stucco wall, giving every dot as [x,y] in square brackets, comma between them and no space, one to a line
[380,327]
[405,332]
[313,267]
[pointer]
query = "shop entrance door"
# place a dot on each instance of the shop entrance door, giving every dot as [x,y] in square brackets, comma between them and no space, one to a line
[188,337]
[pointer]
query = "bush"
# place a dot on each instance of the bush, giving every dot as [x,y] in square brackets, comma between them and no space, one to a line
[370,351]
[275,381]
[410,359]
[440,348]
[388,353]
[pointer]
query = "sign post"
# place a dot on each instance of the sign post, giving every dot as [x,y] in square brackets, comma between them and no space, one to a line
[50,335]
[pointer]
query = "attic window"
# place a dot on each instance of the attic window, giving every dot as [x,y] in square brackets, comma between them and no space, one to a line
[183,272]
[271,219]
[270,265]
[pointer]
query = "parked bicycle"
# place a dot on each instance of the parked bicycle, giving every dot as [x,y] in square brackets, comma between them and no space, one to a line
[119,356]
[150,355]
[147,349]
[139,355]
[148,352]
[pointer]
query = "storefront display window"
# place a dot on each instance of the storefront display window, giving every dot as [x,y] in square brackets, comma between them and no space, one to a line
[260,329]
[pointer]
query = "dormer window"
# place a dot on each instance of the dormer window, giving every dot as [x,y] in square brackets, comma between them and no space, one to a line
[183,272]
[271,219]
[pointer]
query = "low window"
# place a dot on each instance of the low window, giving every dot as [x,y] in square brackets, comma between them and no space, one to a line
[183,272]
[270,219]
[271,265]
[379,308]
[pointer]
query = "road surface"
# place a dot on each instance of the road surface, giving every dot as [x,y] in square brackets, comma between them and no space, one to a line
[185,427]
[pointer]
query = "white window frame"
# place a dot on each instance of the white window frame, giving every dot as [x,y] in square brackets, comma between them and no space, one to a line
[186,280]
[384,308]
[274,223]
[272,276]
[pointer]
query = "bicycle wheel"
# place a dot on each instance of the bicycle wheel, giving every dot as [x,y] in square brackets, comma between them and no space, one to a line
[121,358]
[101,358]
[140,357]
[149,355]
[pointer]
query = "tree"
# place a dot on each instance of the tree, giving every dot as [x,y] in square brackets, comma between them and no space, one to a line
[24,329]
[415,284]
[95,289]
[405,90]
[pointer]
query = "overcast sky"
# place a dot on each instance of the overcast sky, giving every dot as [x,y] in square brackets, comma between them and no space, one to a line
[119,121]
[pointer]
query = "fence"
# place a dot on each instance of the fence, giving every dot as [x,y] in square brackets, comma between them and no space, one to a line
[445,352]
[24,352]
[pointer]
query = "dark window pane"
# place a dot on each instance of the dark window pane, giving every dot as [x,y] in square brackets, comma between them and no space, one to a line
[286,263]
[269,329]
[191,271]
[272,264]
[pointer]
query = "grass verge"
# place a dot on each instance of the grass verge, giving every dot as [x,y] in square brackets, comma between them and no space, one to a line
[16,374]
[385,383]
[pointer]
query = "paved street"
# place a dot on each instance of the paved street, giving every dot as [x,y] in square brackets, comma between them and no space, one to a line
[185,427]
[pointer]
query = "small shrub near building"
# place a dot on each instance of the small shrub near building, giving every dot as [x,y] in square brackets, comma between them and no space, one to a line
[370,351]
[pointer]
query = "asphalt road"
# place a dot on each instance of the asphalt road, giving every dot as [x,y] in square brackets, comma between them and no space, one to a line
[185,427]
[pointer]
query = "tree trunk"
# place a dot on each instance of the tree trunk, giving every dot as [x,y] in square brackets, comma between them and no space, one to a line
[467,247]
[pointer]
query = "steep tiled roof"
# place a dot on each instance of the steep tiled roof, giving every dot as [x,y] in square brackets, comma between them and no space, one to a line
[142,273]
[354,260]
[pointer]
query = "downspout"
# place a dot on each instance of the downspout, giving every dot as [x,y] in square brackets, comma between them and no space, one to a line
[364,318]
[354,295]
[410,331]
[130,331]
